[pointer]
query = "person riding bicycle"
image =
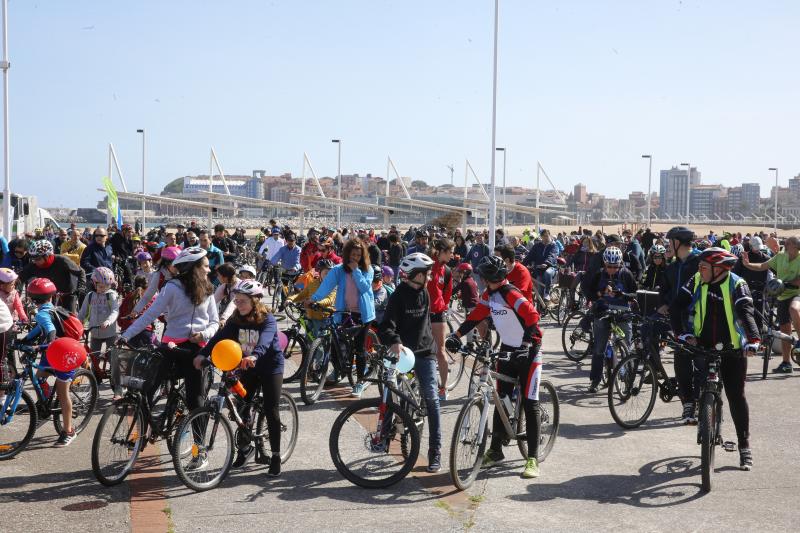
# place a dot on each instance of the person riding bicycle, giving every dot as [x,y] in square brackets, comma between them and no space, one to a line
[611,287]
[288,256]
[157,279]
[228,247]
[317,318]
[518,275]
[656,268]
[69,278]
[542,260]
[407,323]
[714,309]
[517,323]
[255,329]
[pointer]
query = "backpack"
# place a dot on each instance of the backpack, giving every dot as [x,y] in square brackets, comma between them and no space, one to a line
[66,323]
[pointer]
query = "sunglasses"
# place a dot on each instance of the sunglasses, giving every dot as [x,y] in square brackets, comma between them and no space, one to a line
[613,267]
[99,235]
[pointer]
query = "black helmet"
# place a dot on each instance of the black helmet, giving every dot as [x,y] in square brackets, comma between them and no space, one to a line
[323,264]
[681,234]
[492,268]
[377,273]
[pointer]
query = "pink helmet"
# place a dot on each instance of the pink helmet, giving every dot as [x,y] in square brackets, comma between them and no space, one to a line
[170,253]
[103,275]
[7,275]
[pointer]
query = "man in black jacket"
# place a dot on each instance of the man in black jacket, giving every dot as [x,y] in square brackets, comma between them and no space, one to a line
[122,243]
[224,243]
[69,278]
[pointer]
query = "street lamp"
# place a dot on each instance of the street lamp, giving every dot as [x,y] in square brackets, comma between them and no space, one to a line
[493,198]
[649,188]
[776,199]
[4,65]
[339,184]
[504,186]
[688,186]
[143,174]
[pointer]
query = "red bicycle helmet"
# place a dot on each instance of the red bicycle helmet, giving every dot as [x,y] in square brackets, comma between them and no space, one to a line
[718,257]
[464,267]
[41,287]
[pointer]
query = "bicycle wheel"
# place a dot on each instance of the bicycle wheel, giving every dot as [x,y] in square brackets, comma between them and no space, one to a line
[633,391]
[294,355]
[576,342]
[564,307]
[118,439]
[455,368]
[766,350]
[83,392]
[175,410]
[372,345]
[287,411]
[204,449]
[474,377]
[467,445]
[277,298]
[620,353]
[315,370]
[368,455]
[708,437]
[549,414]
[16,433]
[553,302]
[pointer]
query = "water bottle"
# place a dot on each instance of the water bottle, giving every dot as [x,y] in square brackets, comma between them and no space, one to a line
[609,351]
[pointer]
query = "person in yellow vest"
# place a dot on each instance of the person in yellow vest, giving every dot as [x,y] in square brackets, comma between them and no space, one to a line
[316,318]
[73,247]
[714,308]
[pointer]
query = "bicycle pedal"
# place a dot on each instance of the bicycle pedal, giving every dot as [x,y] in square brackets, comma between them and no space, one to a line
[729,446]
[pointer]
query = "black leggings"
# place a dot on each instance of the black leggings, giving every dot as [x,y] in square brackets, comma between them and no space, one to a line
[733,371]
[517,367]
[179,364]
[271,386]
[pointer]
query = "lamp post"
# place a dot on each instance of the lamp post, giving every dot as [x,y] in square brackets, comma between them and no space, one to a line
[649,187]
[776,199]
[4,65]
[339,184]
[688,187]
[503,218]
[493,198]
[143,174]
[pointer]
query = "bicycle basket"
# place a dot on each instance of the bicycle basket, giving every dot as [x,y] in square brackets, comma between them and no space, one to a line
[136,370]
[567,280]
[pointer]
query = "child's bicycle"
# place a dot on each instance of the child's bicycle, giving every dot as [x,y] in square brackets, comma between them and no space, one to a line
[206,443]
[20,414]
[97,362]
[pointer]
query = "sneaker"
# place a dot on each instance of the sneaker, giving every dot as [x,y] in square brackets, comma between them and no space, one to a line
[274,466]
[531,468]
[442,394]
[688,416]
[593,387]
[243,455]
[358,390]
[65,439]
[434,462]
[491,458]
[198,463]
[745,459]
[784,368]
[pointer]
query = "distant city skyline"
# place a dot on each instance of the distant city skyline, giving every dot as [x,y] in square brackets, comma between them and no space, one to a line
[584,87]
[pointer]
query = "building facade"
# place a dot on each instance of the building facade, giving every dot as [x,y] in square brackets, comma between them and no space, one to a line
[673,193]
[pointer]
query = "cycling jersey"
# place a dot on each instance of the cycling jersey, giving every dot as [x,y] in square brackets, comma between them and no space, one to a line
[520,277]
[440,287]
[515,318]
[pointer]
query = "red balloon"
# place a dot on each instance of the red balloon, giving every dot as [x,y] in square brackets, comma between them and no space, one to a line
[66,354]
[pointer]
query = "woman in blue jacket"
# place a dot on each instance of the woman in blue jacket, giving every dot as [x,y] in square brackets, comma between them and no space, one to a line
[353,283]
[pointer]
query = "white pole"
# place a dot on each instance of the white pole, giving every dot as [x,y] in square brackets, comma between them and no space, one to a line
[649,187]
[776,199]
[6,166]
[210,189]
[493,199]
[339,183]
[504,189]
[538,173]
[110,177]
[143,182]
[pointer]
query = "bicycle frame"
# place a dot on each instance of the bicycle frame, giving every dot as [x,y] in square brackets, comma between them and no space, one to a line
[18,384]
[488,376]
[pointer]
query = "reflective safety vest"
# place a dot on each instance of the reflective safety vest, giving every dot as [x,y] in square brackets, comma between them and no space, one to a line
[699,305]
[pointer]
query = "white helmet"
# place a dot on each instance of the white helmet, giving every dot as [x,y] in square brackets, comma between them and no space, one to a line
[612,256]
[247,268]
[188,256]
[249,287]
[416,262]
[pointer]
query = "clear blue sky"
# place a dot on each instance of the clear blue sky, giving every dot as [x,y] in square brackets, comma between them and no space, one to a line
[586,87]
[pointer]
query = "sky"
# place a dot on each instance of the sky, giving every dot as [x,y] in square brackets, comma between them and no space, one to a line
[584,87]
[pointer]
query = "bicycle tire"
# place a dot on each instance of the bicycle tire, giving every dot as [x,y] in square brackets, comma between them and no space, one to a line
[629,386]
[707,439]
[372,406]
[570,334]
[550,414]
[553,302]
[289,419]
[26,406]
[296,343]
[216,420]
[83,391]
[129,434]
[563,307]
[465,438]
[455,368]
[174,413]
[474,377]
[315,370]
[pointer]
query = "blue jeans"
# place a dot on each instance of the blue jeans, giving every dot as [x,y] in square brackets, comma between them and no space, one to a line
[545,277]
[601,331]
[427,376]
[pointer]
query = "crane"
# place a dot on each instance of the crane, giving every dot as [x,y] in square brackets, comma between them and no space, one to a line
[452,170]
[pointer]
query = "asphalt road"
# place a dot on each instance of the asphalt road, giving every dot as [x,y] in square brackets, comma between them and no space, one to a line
[598,477]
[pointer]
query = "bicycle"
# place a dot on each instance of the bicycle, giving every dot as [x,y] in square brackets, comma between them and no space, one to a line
[298,338]
[20,407]
[334,345]
[770,332]
[550,306]
[199,434]
[374,443]
[472,425]
[266,276]
[577,338]
[97,362]
[638,379]
[283,289]
[137,419]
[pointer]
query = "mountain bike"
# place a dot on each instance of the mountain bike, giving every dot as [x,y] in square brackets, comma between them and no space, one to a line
[283,289]
[20,415]
[298,339]
[770,332]
[147,411]
[472,425]
[577,338]
[374,443]
[206,444]
[552,304]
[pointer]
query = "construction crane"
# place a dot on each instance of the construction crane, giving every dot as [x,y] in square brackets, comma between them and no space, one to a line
[452,170]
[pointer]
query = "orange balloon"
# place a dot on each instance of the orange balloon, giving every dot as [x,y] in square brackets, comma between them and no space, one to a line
[226,355]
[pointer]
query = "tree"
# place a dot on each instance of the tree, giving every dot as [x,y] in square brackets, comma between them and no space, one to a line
[175,186]
[419,184]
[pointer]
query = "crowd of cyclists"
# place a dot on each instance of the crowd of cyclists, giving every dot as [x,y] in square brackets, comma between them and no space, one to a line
[187,288]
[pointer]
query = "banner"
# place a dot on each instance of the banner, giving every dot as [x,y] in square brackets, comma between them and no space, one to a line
[112,202]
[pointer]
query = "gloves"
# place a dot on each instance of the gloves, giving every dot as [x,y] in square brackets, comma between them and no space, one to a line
[752,346]
[452,343]
[686,338]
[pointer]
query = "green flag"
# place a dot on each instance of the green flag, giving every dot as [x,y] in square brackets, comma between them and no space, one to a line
[112,204]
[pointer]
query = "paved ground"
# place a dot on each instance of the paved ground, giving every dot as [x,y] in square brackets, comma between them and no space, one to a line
[598,477]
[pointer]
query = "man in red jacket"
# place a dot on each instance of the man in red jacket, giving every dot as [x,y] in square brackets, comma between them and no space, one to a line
[310,251]
[518,275]
[440,289]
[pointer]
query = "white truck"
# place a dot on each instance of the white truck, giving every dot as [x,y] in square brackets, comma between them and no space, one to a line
[26,215]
